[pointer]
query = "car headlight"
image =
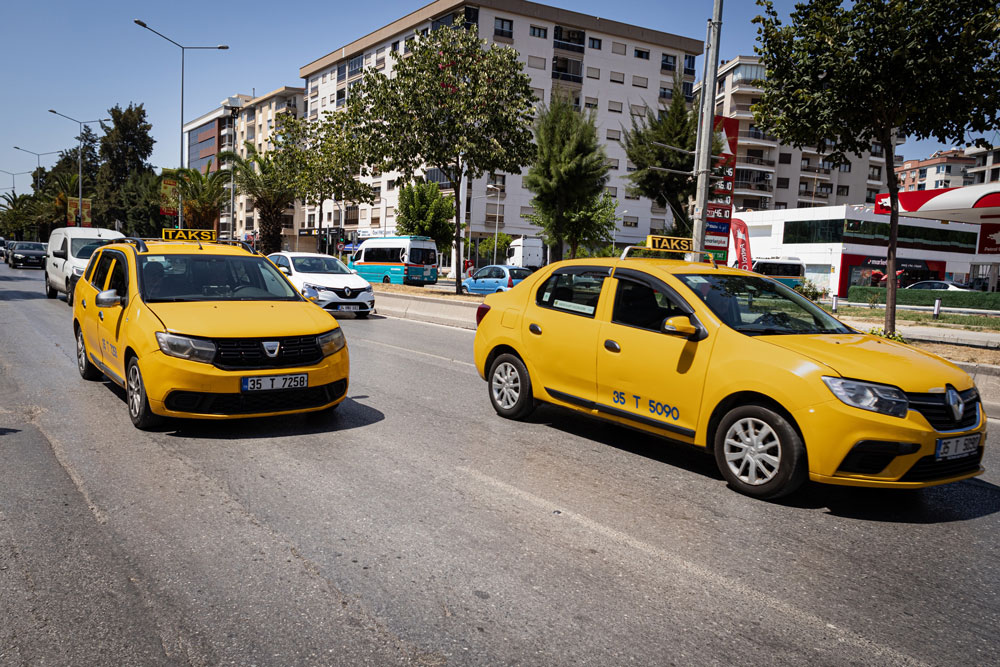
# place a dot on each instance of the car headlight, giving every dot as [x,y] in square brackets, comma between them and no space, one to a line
[331,342]
[16,256]
[367,289]
[318,288]
[77,271]
[869,396]
[195,349]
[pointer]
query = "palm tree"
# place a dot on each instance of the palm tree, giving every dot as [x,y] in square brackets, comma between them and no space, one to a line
[261,179]
[53,201]
[17,214]
[203,195]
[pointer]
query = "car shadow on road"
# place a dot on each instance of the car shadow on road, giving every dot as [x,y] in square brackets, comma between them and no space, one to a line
[21,295]
[15,277]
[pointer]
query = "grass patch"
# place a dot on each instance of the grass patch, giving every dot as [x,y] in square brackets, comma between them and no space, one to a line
[974,322]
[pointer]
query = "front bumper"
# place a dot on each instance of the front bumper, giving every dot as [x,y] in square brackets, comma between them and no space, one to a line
[190,389]
[364,303]
[831,431]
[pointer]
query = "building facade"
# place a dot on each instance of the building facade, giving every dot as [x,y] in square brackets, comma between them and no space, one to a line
[772,176]
[986,168]
[943,169]
[613,69]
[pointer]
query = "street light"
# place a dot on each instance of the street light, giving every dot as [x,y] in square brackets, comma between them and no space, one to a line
[79,157]
[39,159]
[12,175]
[221,47]
[496,213]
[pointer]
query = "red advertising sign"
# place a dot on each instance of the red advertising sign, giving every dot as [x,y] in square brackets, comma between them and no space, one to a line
[989,239]
[742,237]
[719,210]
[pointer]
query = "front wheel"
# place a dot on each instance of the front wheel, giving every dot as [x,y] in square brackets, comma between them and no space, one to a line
[69,294]
[510,387]
[138,405]
[88,371]
[759,453]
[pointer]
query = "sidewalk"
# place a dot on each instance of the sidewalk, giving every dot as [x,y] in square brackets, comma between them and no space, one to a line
[949,336]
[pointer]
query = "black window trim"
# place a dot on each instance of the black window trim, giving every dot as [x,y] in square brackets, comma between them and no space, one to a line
[603,271]
[658,285]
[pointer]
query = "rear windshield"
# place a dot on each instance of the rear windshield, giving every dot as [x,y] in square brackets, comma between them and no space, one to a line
[519,274]
[212,278]
[779,269]
[84,248]
[423,256]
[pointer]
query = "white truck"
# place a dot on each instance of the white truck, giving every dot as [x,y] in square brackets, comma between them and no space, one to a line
[526,252]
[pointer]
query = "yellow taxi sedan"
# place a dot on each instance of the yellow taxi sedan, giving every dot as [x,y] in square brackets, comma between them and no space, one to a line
[204,330]
[733,362]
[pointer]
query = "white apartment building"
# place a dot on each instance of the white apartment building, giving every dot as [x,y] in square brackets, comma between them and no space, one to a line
[943,169]
[987,164]
[609,67]
[772,176]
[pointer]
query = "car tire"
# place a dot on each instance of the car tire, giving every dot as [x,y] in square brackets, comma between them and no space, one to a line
[49,291]
[135,395]
[386,279]
[760,453]
[510,387]
[69,294]
[362,316]
[88,371]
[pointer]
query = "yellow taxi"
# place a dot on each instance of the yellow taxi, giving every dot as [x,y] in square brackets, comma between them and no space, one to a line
[733,362]
[204,330]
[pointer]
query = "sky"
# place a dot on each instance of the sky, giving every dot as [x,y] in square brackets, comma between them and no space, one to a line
[82,58]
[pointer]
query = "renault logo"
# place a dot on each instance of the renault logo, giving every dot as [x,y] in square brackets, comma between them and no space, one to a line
[347,292]
[271,348]
[954,401]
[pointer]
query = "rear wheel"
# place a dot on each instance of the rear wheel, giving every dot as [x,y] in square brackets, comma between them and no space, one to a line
[510,387]
[759,453]
[88,371]
[69,294]
[138,405]
[385,279]
[50,292]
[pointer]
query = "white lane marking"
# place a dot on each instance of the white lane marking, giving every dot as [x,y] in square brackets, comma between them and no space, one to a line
[882,654]
[430,324]
[412,351]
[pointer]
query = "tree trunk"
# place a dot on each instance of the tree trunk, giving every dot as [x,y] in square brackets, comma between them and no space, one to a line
[889,142]
[459,259]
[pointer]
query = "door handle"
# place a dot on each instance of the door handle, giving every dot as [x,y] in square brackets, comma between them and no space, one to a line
[535,329]
[100,314]
[612,346]
[83,302]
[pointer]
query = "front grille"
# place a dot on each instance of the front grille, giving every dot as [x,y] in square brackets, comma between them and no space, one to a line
[253,402]
[248,353]
[937,413]
[342,293]
[928,468]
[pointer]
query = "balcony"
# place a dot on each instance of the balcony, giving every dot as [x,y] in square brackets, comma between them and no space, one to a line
[567,76]
[756,186]
[754,160]
[756,137]
[741,110]
[815,170]
[814,194]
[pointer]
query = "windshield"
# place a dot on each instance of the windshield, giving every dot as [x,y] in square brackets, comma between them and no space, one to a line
[212,278]
[29,246]
[783,269]
[84,248]
[753,305]
[424,256]
[319,265]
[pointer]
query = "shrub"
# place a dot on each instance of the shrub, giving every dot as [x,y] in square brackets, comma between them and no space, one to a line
[915,297]
[808,289]
[880,332]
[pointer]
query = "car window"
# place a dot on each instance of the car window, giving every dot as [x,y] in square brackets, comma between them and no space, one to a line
[519,274]
[101,272]
[64,244]
[424,256]
[497,272]
[638,305]
[574,292]
[318,265]
[30,246]
[481,273]
[119,276]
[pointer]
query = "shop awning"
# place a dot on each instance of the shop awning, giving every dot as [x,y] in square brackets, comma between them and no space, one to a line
[976,204]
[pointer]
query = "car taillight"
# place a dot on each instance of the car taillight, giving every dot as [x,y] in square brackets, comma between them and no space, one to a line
[481,313]
[510,281]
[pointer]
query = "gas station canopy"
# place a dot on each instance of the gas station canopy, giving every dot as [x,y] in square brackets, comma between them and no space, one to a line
[976,204]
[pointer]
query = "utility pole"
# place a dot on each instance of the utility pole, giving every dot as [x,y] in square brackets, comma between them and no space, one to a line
[703,161]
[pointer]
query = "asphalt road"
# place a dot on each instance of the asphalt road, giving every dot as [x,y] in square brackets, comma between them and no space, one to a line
[415,526]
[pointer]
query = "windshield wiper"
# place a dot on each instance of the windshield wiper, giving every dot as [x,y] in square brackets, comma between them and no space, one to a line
[767,331]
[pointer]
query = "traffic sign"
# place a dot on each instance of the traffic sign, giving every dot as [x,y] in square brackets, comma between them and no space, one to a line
[340,247]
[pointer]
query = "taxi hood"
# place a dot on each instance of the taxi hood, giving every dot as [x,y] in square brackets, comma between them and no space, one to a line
[243,319]
[865,357]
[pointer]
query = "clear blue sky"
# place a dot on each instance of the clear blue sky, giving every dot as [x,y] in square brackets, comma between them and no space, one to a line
[81,58]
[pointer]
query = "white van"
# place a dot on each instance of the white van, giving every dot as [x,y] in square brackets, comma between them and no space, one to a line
[69,251]
[526,252]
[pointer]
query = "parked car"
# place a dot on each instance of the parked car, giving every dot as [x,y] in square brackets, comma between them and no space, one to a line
[27,253]
[939,285]
[494,278]
[69,251]
[339,288]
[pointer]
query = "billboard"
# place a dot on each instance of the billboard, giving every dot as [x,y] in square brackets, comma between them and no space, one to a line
[73,212]
[168,196]
[719,209]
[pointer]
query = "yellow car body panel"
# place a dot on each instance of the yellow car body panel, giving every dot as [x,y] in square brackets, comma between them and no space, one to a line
[130,330]
[674,387]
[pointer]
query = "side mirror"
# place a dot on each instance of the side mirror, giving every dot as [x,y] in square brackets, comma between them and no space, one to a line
[61,254]
[310,294]
[284,269]
[107,298]
[679,326]
[354,271]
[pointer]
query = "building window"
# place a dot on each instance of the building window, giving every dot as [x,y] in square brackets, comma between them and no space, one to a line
[640,81]
[593,73]
[631,194]
[612,163]
[614,135]
[666,93]
[341,72]
[537,31]
[618,77]
[875,173]
[503,27]
[536,63]
[780,206]
[782,184]
[408,44]
[618,48]
[630,166]
[568,39]
[870,196]
[494,213]
[395,46]
[611,190]
[630,220]
[639,109]
[843,191]
[590,102]
[614,107]
[355,65]
[877,151]
[498,180]
[641,54]
[567,69]
[341,97]
[668,63]
[595,43]
[688,65]
[688,87]
[784,158]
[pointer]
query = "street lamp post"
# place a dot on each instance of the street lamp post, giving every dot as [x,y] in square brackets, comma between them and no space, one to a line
[221,47]
[496,213]
[38,157]
[79,157]
[12,174]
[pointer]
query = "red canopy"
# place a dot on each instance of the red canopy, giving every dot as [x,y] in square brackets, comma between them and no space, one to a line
[976,204]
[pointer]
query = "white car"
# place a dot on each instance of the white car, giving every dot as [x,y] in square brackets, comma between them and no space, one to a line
[939,285]
[340,289]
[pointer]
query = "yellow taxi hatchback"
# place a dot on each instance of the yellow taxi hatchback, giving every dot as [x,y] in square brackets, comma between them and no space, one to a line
[733,362]
[204,330]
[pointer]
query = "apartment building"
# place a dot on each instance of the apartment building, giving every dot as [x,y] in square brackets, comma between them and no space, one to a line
[986,168]
[943,169]
[614,69]
[773,176]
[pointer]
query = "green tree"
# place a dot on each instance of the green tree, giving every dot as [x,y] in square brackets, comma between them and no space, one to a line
[124,149]
[141,200]
[261,178]
[568,175]
[424,211]
[17,215]
[53,200]
[452,104]
[502,243]
[843,75]
[674,126]
[203,195]
[67,163]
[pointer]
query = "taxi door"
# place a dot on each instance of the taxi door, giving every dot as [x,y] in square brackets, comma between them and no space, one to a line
[111,318]
[645,375]
[560,331]
[92,282]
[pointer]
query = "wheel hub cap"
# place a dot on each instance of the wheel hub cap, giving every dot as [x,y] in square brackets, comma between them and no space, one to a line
[506,385]
[753,451]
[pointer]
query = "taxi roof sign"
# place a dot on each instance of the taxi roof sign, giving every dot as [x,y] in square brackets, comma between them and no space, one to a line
[670,243]
[189,235]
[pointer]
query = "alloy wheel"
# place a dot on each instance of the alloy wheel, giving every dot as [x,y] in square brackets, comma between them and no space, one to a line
[506,385]
[752,451]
